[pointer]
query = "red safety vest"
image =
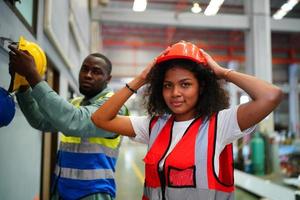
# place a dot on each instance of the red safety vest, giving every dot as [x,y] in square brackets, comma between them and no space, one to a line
[189,168]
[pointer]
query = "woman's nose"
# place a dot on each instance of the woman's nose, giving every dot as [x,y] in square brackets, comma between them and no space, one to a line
[176,91]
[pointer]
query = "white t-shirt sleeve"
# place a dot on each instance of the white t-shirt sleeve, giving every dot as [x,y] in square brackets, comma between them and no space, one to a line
[228,128]
[140,126]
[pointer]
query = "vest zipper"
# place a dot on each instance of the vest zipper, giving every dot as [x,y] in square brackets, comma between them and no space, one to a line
[161,173]
[162,183]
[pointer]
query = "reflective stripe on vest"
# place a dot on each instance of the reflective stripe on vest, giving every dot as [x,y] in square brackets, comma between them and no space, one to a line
[189,168]
[88,148]
[84,174]
[186,194]
[86,165]
[108,142]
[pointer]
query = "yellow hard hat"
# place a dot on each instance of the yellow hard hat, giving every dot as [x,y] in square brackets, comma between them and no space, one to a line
[39,58]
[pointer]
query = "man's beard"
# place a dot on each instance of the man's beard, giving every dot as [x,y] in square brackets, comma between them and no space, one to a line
[90,93]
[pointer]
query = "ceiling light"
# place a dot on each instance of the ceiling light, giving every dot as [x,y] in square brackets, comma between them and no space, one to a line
[284,9]
[196,8]
[213,7]
[139,5]
[279,14]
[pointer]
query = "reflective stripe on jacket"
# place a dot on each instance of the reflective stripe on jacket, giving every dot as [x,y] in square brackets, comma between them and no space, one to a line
[188,171]
[86,165]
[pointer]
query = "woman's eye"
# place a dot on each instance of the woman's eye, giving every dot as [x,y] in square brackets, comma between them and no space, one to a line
[166,85]
[185,85]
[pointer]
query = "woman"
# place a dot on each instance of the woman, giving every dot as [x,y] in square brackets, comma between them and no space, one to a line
[189,131]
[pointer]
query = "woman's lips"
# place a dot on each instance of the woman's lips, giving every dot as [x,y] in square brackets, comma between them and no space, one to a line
[176,103]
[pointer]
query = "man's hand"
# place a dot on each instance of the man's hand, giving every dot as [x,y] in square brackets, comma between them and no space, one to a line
[23,63]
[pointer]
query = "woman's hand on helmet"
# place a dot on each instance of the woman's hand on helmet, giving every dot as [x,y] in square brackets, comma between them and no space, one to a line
[146,71]
[214,66]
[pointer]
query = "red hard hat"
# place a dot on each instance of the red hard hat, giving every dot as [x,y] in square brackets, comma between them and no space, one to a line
[184,50]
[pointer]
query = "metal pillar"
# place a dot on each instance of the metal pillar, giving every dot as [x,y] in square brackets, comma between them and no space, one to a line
[232,89]
[294,100]
[258,48]
[259,60]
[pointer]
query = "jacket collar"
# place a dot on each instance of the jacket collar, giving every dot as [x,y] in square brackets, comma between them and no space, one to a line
[98,96]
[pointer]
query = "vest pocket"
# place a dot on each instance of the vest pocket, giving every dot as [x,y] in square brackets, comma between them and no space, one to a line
[182,177]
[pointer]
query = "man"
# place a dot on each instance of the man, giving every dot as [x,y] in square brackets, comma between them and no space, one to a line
[87,155]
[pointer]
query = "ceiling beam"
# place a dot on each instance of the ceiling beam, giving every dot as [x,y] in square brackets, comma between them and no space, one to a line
[286,25]
[187,19]
[170,18]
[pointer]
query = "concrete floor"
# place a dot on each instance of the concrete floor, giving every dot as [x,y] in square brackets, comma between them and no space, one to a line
[130,173]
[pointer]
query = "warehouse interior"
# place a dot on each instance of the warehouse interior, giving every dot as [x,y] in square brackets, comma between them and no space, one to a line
[257,37]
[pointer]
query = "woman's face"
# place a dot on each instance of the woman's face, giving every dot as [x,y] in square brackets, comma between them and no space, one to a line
[180,92]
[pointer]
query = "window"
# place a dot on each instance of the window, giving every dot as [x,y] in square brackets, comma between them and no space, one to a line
[26,11]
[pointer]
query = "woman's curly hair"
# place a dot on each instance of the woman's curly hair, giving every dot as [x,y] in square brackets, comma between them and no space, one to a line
[212,97]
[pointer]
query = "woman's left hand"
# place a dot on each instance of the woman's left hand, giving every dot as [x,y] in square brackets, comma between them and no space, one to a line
[146,71]
[214,66]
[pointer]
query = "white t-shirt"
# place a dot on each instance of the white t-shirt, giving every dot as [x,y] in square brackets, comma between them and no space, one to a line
[228,130]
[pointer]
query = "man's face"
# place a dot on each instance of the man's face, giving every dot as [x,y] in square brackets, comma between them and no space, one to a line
[93,76]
